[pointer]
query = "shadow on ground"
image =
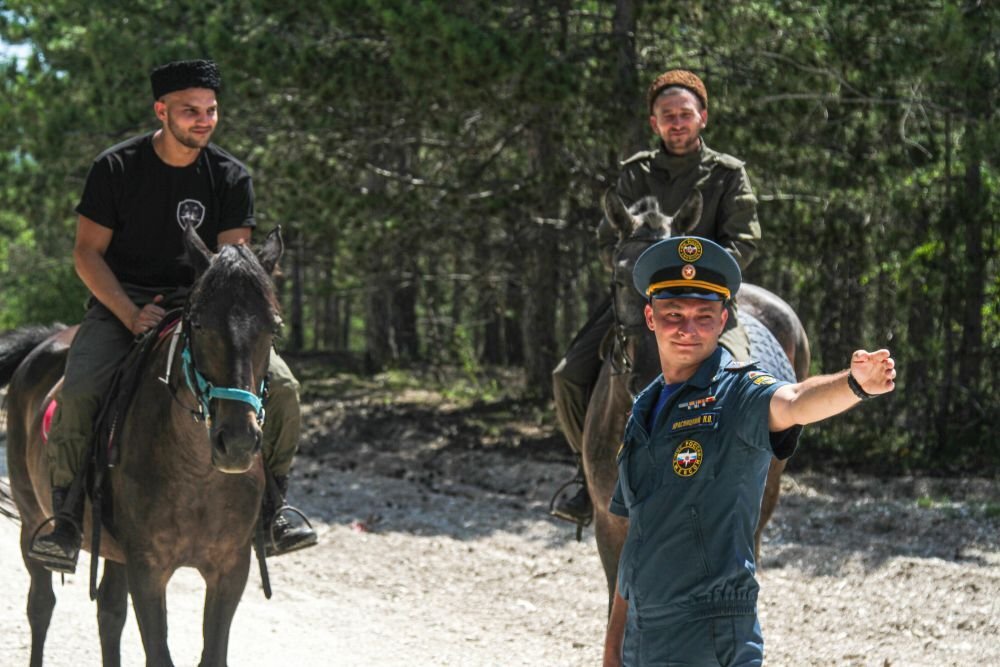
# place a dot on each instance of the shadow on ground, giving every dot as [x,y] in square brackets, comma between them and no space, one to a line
[489,461]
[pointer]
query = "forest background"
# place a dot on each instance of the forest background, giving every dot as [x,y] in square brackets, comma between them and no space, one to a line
[436,168]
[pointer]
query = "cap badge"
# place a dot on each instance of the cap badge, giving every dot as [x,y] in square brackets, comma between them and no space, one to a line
[688,271]
[690,250]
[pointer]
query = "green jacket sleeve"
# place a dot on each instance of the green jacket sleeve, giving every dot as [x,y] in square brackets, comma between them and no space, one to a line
[737,226]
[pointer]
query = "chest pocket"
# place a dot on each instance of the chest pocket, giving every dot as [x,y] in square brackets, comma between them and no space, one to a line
[693,449]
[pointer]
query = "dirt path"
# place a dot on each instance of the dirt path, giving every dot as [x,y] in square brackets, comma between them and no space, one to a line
[436,550]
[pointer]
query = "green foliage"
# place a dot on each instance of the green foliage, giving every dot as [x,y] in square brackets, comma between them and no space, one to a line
[436,169]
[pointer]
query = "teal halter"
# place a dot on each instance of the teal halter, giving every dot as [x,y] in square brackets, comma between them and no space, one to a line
[205,391]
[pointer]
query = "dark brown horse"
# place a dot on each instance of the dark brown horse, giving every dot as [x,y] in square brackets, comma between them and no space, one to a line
[186,493]
[632,363]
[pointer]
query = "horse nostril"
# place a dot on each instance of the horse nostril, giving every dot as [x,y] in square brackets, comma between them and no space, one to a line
[220,442]
[257,438]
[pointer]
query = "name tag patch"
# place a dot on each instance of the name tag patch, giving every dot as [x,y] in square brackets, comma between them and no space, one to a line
[707,418]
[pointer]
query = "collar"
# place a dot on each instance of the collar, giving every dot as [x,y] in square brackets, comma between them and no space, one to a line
[708,372]
[678,164]
[711,368]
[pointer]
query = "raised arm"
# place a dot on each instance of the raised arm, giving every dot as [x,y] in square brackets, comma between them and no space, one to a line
[823,396]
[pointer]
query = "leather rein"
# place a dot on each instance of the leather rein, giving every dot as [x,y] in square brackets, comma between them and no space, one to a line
[621,361]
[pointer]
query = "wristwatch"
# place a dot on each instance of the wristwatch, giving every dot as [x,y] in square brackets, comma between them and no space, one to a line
[856,388]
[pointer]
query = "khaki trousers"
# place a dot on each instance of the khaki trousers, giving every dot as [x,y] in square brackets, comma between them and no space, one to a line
[100,345]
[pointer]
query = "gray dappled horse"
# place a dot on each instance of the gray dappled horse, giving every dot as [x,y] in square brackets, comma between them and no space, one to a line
[186,493]
[632,362]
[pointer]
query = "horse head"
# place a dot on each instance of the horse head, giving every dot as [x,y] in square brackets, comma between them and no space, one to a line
[638,227]
[230,320]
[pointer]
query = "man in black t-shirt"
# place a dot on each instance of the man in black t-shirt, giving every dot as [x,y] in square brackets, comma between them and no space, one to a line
[138,198]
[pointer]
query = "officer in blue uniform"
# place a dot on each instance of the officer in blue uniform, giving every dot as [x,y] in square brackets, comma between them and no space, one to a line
[693,464]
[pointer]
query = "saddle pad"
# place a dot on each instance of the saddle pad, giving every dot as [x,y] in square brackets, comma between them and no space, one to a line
[50,412]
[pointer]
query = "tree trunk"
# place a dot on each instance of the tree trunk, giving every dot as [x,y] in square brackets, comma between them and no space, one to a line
[380,347]
[404,313]
[297,338]
[628,93]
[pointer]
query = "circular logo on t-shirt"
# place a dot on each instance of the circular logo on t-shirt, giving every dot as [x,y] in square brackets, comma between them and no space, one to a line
[190,213]
[687,458]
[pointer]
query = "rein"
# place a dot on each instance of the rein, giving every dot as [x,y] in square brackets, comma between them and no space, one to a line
[621,362]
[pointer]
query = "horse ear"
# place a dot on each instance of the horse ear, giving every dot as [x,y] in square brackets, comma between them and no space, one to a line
[616,213]
[198,254]
[688,215]
[271,251]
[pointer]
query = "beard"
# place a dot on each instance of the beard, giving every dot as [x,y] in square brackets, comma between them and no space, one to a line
[683,145]
[188,138]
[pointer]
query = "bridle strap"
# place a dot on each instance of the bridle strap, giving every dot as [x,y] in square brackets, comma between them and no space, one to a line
[621,362]
[205,391]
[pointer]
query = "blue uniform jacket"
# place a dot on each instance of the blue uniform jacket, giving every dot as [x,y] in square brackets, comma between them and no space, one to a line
[691,490]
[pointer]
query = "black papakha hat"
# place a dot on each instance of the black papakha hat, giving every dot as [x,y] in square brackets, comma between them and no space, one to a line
[184,74]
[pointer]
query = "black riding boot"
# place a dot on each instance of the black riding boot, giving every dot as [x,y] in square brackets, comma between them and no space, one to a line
[59,549]
[281,535]
[576,508]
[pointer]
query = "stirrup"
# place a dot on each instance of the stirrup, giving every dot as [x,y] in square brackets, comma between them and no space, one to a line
[580,522]
[271,545]
[61,564]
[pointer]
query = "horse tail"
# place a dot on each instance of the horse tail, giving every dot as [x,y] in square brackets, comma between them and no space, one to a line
[16,344]
[7,506]
[803,355]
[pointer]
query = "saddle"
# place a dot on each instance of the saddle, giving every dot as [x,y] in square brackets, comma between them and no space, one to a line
[104,448]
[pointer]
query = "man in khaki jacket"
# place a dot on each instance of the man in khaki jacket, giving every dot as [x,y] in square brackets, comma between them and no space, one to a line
[680,164]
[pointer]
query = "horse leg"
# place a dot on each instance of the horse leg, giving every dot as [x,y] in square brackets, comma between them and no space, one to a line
[112,609]
[223,590]
[610,531]
[772,489]
[41,602]
[148,587]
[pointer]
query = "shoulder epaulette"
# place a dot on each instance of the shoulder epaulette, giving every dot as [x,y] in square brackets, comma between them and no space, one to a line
[728,161]
[641,155]
[740,366]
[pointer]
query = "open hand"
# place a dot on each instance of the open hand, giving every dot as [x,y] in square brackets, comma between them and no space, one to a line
[874,371]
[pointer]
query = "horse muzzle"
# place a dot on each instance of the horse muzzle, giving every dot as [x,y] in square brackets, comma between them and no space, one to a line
[234,446]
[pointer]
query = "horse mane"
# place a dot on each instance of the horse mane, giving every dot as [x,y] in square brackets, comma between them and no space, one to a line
[236,271]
